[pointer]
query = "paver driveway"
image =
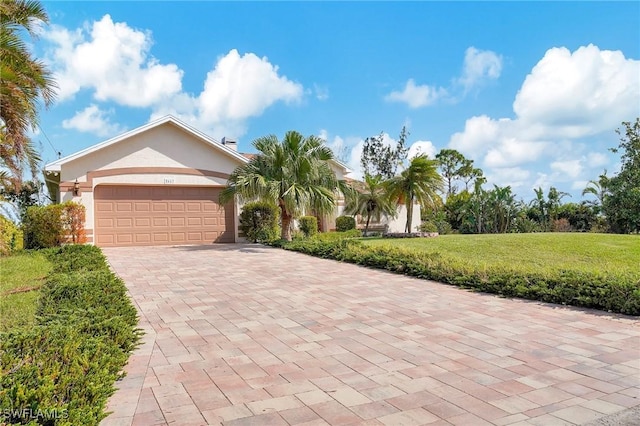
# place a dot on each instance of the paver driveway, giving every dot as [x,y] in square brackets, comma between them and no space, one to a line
[243,334]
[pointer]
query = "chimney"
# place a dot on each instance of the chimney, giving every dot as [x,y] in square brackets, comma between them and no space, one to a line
[230,144]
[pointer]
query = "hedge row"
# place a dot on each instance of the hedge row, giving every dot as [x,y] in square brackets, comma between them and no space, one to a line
[62,371]
[614,293]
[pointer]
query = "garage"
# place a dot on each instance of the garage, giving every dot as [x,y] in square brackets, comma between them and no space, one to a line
[127,215]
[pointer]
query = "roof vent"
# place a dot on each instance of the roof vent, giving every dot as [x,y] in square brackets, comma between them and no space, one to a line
[230,143]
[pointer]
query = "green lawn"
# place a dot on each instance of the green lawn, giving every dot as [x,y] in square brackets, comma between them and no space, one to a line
[599,253]
[17,272]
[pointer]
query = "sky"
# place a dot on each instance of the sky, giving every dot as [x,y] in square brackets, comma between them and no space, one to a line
[531,91]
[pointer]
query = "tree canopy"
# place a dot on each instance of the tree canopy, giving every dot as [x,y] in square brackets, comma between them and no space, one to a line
[24,82]
[293,174]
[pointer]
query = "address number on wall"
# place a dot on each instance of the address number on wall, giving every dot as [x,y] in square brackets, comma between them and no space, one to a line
[169,180]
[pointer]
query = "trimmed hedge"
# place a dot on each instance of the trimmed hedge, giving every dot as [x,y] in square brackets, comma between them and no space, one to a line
[614,293]
[259,221]
[63,370]
[345,223]
[308,225]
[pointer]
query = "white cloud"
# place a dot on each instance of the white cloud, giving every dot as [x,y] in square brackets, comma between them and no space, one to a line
[597,159]
[581,93]
[567,97]
[416,95]
[479,66]
[510,151]
[516,177]
[244,86]
[113,60]
[422,147]
[93,120]
[570,168]
[238,88]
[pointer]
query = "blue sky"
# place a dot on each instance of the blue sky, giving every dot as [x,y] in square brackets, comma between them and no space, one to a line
[532,92]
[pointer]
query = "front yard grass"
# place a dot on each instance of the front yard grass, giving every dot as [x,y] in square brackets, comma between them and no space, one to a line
[526,253]
[21,276]
[598,271]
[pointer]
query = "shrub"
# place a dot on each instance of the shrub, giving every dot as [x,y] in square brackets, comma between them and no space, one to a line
[43,226]
[67,364]
[259,222]
[345,223]
[308,225]
[53,225]
[74,258]
[73,217]
[10,237]
[561,225]
[615,293]
[428,226]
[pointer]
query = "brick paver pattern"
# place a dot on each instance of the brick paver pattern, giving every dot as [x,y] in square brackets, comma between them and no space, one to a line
[245,334]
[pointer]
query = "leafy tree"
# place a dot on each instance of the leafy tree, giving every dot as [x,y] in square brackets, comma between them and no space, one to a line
[582,217]
[371,201]
[621,204]
[419,182]
[379,159]
[455,166]
[294,174]
[21,197]
[24,81]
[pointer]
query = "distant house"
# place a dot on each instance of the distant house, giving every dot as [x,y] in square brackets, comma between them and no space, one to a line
[157,185]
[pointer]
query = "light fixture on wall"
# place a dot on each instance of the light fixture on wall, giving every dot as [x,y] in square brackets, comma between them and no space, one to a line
[76,188]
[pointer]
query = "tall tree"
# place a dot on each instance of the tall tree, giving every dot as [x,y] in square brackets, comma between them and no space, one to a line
[454,165]
[380,159]
[24,81]
[622,203]
[420,182]
[371,200]
[294,174]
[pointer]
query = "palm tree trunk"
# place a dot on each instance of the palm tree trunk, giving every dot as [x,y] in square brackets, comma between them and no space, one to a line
[409,202]
[285,232]
[366,226]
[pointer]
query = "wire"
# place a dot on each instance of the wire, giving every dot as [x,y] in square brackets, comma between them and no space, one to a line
[48,140]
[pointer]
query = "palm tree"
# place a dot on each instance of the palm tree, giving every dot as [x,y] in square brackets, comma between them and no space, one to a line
[420,182]
[293,174]
[24,81]
[371,200]
[597,188]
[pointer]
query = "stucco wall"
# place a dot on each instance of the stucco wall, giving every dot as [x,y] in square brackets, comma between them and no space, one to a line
[162,146]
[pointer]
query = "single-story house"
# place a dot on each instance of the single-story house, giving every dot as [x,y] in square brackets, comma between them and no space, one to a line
[158,185]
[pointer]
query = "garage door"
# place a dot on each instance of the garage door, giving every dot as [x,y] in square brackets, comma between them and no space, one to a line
[160,215]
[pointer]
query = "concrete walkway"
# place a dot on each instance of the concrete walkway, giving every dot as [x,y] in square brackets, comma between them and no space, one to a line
[243,334]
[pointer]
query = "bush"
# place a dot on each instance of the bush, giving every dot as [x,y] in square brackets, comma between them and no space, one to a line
[428,226]
[10,237]
[259,222]
[308,225]
[615,293]
[53,225]
[43,226]
[67,364]
[561,225]
[345,223]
